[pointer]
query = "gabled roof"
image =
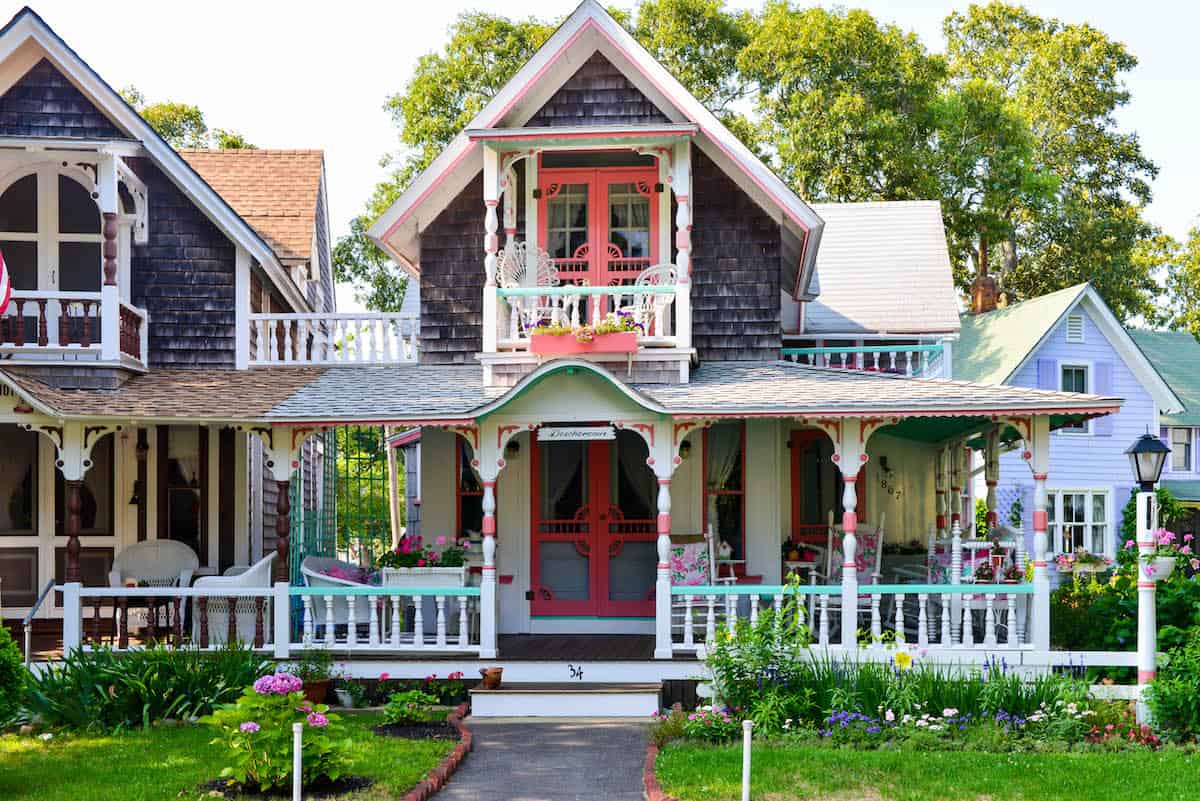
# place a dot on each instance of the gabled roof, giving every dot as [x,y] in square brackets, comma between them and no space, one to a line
[27,39]
[1176,354]
[275,191]
[883,267]
[589,29]
[992,347]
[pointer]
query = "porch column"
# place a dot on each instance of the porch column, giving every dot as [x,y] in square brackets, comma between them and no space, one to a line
[110,296]
[939,467]
[283,529]
[488,637]
[1037,454]
[991,475]
[74,504]
[851,456]
[681,183]
[491,246]
[662,590]
[954,453]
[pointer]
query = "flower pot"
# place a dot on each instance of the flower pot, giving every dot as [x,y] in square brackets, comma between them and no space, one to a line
[316,691]
[567,344]
[344,698]
[1163,567]
[491,677]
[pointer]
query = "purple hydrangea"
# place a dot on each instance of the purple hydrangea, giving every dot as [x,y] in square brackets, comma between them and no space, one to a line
[249,727]
[278,684]
[317,719]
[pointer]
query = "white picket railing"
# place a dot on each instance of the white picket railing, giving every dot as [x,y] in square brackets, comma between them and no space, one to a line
[334,338]
[924,360]
[361,619]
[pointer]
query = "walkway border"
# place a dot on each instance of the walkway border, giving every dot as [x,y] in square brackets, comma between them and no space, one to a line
[650,786]
[436,779]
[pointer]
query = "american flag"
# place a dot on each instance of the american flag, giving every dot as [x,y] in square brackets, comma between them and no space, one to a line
[5,285]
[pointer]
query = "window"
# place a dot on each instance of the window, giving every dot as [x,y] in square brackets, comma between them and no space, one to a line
[1078,519]
[1181,449]
[725,485]
[50,233]
[1074,378]
[1075,328]
[468,490]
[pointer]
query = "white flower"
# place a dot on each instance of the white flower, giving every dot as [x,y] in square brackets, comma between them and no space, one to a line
[935,727]
[787,724]
[922,723]
[949,712]
[890,716]
[46,736]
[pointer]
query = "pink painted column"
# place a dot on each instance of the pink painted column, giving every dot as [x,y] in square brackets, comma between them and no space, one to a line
[1041,573]
[488,639]
[849,560]
[662,585]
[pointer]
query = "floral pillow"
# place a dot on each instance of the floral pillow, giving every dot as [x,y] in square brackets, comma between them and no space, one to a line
[689,564]
[864,558]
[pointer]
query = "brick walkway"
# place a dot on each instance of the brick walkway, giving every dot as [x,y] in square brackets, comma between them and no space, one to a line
[551,760]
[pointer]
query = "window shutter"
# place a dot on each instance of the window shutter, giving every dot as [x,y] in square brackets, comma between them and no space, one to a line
[1165,435]
[1047,374]
[1102,384]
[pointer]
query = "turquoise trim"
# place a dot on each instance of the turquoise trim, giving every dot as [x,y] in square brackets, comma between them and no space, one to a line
[571,289]
[937,348]
[449,592]
[757,589]
[863,589]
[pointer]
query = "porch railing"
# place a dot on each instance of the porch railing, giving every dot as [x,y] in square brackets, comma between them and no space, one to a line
[921,361]
[931,616]
[574,305]
[368,619]
[334,338]
[46,326]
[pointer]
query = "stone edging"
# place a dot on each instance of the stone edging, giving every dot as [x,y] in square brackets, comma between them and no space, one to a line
[437,778]
[650,786]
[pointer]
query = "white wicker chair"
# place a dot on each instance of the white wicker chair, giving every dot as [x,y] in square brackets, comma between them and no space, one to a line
[258,576]
[154,563]
[648,308]
[312,571]
[522,266]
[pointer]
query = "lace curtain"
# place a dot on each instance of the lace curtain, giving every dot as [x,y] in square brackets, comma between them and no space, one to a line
[722,451]
[632,453]
[560,463]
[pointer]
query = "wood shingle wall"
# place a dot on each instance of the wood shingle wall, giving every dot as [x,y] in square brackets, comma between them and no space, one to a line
[452,280]
[44,103]
[597,94]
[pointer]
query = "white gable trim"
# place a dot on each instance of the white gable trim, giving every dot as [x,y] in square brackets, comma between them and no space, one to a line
[1101,315]
[27,27]
[594,29]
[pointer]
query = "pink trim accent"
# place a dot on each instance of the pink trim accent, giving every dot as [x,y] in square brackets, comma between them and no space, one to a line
[849,566]
[491,243]
[663,482]
[489,525]
[489,483]
[1038,563]
[681,198]
[1145,585]
[849,522]
[941,521]
[488,568]
[510,232]
[1039,520]
[491,203]
[639,134]
[664,523]
[683,239]
[1147,676]
[1040,476]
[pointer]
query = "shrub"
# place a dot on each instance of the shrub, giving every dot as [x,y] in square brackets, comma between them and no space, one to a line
[257,733]
[313,666]
[410,708]
[1174,697]
[668,725]
[100,690]
[712,725]
[12,677]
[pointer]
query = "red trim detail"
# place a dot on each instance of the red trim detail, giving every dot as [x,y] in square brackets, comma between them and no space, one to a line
[1040,520]
[664,523]
[1040,476]
[400,440]
[489,525]
[941,522]
[1147,676]
[849,522]
[1146,585]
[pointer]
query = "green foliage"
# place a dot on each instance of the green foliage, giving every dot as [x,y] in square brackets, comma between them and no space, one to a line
[981,515]
[711,725]
[410,707]
[363,505]
[315,665]
[1183,280]
[12,677]
[1173,698]
[1170,511]
[100,690]
[667,726]
[256,733]
[182,125]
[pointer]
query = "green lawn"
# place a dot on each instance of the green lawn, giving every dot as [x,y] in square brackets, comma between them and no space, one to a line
[171,764]
[797,773]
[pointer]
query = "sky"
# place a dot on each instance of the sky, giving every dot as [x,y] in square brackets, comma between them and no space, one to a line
[303,75]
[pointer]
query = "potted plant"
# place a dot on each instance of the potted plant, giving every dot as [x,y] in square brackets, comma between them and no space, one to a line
[1167,550]
[1081,560]
[985,573]
[1013,574]
[616,333]
[315,669]
[414,564]
[350,693]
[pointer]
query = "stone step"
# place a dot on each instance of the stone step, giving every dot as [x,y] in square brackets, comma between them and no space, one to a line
[573,699]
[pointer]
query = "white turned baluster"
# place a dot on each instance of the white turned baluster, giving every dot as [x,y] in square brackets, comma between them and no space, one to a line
[260,334]
[908,363]
[989,619]
[892,357]
[824,627]
[287,341]
[922,620]
[352,621]
[418,621]
[968,630]
[876,623]
[307,636]
[397,600]
[900,618]
[777,607]
[925,363]
[373,341]
[440,603]
[710,622]
[1011,634]
[329,632]
[463,628]
[753,609]
[731,612]
[688,622]
[945,639]
[389,332]
[373,621]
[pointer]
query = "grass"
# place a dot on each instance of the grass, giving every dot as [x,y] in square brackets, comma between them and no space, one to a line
[162,764]
[799,773]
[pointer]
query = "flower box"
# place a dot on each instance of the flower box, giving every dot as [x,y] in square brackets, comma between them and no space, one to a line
[567,344]
[425,576]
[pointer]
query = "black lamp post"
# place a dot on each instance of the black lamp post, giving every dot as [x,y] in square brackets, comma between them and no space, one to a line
[1147,456]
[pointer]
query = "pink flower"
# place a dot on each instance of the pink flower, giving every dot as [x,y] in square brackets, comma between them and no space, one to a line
[306,708]
[1186,549]
[1149,571]
[1129,543]
[278,684]
[1195,563]
[420,563]
[1189,537]
[441,540]
[317,719]
[249,727]
[383,676]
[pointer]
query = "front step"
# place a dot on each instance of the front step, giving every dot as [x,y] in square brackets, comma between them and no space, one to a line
[555,700]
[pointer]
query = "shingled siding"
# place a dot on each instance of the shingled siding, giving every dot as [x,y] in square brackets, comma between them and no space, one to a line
[45,103]
[735,270]
[185,278]
[597,94]
[320,293]
[452,280]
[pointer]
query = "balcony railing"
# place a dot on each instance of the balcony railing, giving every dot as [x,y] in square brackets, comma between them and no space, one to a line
[663,311]
[334,338]
[48,326]
[917,361]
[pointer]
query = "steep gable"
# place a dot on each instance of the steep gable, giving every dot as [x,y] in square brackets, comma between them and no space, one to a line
[597,94]
[44,103]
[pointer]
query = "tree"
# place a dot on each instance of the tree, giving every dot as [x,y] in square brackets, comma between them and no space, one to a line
[182,125]
[1183,281]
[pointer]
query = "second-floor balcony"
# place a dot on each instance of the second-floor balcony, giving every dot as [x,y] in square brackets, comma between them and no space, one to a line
[334,338]
[916,358]
[43,327]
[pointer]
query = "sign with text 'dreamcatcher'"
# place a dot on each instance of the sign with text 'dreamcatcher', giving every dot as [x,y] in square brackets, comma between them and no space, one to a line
[576,433]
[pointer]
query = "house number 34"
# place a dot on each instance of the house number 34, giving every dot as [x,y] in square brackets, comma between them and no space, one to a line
[576,672]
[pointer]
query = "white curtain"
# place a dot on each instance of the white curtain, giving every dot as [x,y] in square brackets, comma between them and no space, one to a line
[632,453]
[560,462]
[722,449]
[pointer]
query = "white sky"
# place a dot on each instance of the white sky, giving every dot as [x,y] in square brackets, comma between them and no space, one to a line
[308,75]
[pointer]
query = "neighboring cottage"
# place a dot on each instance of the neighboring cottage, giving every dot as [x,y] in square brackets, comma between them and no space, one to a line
[1070,341]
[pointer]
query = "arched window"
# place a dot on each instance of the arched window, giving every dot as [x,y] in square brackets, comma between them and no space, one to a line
[50,233]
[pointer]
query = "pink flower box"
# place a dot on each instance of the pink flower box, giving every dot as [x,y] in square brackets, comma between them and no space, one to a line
[566,344]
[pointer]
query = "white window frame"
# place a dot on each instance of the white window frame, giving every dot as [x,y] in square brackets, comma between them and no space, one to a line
[1088,377]
[1191,467]
[1054,509]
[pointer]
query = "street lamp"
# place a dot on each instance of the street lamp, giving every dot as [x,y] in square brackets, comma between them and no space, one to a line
[1147,456]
